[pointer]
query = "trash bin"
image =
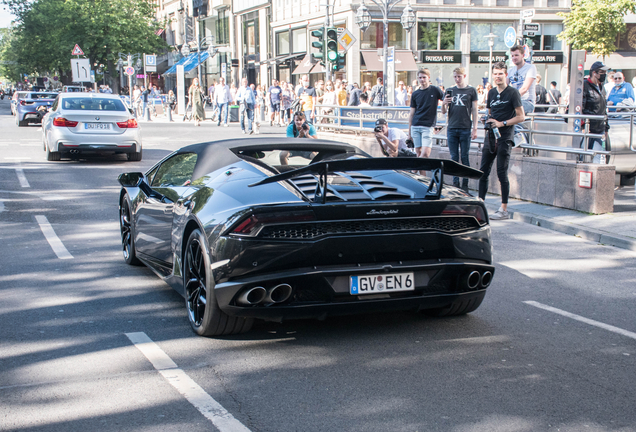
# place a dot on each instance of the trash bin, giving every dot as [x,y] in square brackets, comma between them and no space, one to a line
[234,113]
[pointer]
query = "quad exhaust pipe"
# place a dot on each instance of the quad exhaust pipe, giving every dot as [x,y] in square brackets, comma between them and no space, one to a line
[475,279]
[252,296]
[279,293]
[258,295]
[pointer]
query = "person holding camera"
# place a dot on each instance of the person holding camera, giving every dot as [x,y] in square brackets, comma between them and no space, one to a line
[461,128]
[299,128]
[392,140]
[504,110]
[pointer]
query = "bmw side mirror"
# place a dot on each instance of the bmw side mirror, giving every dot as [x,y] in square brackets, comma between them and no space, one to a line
[131,179]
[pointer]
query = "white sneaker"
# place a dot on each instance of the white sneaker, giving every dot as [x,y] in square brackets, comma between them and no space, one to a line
[224,124]
[500,215]
[243,131]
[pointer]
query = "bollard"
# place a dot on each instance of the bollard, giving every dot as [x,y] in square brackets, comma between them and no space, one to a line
[147,113]
[169,113]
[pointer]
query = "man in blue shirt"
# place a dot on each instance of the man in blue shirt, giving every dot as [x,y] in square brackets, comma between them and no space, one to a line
[245,98]
[620,92]
[299,128]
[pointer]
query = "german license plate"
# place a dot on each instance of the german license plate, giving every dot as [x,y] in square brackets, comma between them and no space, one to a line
[98,126]
[384,283]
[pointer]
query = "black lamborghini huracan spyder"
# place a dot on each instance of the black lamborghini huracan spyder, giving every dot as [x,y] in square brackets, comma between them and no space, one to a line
[277,228]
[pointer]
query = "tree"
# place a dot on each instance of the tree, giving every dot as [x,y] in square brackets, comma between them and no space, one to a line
[594,25]
[47,30]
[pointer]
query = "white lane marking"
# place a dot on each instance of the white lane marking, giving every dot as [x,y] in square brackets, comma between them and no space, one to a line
[211,409]
[22,178]
[598,324]
[52,238]
[1,205]
[17,158]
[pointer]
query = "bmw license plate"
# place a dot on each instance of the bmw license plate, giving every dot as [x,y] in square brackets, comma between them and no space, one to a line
[98,126]
[384,283]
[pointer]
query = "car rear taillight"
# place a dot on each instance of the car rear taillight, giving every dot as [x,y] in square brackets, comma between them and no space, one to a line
[131,123]
[253,223]
[475,211]
[61,121]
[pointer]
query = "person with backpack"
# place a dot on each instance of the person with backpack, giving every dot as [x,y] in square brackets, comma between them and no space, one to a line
[542,95]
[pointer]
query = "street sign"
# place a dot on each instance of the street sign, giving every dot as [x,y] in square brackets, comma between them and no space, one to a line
[510,37]
[526,52]
[130,71]
[77,50]
[81,69]
[527,13]
[346,39]
[151,62]
[532,30]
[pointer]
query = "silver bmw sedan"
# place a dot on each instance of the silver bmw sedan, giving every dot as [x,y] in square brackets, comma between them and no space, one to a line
[90,123]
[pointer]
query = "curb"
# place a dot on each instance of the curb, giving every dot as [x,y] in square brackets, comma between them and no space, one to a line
[572,229]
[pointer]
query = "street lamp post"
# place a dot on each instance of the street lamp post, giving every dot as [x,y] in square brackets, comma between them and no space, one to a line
[363,20]
[129,62]
[491,43]
[206,42]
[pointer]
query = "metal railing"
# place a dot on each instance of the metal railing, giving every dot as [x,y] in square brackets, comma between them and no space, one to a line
[330,117]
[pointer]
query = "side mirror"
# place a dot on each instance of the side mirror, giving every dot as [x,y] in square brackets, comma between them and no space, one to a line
[131,179]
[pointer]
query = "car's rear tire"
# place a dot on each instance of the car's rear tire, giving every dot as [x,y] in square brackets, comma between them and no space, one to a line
[135,157]
[127,230]
[460,306]
[52,156]
[20,123]
[206,318]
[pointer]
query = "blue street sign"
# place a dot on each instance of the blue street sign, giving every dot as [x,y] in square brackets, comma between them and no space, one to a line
[510,37]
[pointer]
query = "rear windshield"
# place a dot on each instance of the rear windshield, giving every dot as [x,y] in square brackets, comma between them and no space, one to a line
[42,96]
[93,104]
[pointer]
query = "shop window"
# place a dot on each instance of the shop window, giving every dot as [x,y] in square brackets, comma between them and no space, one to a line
[222,28]
[299,40]
[374,36]
[478,31]
[282,43]
[553,3]
[251,42]
[528,3]
[438,36]
[550,41]
[503,2]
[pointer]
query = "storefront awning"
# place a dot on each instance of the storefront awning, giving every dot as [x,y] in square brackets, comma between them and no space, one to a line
[403,61]
[304,67]
[318,69]
[189,63]
[615,61]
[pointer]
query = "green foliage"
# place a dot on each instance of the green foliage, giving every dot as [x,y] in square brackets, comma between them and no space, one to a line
[47,31]
[593,25]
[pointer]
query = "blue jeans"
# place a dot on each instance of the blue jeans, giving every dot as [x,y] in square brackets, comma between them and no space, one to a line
[223,108]
[308,116]
[459,141]
[249,110]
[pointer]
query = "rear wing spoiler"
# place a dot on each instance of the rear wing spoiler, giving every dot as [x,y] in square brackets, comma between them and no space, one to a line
[439,167]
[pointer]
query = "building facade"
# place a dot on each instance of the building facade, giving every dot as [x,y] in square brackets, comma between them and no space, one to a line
[265,39]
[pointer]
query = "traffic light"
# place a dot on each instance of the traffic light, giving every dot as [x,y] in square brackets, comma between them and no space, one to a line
[320,44]
[332,44]
[340,63]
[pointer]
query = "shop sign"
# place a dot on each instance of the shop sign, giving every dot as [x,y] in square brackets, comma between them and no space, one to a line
[484,57]
[547,57]
[440,57]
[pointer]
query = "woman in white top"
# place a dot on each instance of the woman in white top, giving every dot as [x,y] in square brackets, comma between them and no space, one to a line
[329,98]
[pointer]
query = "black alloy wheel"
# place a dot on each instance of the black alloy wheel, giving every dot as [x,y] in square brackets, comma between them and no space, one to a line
[127,234]
[206,318]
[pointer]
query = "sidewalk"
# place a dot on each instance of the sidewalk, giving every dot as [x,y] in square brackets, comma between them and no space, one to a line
[614,229]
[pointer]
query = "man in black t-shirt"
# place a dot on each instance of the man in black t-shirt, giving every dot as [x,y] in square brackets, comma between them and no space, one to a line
[542,95]
[504,111]
[423,116]
[461,128]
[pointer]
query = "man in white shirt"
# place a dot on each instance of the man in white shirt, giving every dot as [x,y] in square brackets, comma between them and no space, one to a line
[392,140]
[523,77]
[400,95]
[223,98]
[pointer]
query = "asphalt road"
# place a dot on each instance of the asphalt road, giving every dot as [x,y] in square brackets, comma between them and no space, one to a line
[68,320]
